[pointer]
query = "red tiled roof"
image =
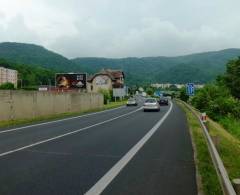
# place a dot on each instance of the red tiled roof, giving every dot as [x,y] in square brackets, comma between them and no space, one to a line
[113,74]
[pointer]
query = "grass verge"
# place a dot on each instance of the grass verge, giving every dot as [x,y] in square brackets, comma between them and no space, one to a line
[232,125]
[11,123]
[208,177]
[229,148]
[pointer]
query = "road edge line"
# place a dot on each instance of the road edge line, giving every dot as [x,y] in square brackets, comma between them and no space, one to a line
[103,182]
[59,120]
[66,134]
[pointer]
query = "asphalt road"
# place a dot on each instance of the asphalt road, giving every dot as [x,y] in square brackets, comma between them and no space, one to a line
[122,151]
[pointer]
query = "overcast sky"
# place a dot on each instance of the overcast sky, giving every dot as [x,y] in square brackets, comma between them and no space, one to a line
[122,28]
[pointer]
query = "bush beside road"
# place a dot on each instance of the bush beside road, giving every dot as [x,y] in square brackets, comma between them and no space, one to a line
[221,99]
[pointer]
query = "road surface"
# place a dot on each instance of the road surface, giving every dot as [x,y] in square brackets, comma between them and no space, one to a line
[119,151]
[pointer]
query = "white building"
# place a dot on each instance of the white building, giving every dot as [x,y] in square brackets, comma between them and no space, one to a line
[179,86]
[161,85]
[8,76]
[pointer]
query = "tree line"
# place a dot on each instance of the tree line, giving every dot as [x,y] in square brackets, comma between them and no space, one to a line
[29,76]
[221,99]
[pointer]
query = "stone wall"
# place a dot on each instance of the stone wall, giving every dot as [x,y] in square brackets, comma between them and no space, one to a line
[32,104]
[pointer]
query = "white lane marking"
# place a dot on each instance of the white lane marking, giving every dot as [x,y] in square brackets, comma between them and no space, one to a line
[69,133]
[115,170]
[60,120]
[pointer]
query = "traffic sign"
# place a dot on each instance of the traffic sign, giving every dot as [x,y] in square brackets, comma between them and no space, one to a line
[190,89]
[158,93]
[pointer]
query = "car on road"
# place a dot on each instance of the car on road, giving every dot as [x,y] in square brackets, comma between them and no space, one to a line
[132,102]
[151,104]
[163,101]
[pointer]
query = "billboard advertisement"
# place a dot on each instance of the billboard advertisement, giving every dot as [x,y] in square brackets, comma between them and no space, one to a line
[120,92]
[71,80]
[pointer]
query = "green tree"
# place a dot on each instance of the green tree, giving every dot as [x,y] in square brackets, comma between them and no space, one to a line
[173,88]
[106,95]
[217,101]
[7,86]
[183,94]
[232,77]
[150,91]
[31,76]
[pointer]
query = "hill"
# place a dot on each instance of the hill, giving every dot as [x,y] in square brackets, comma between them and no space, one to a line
[198,68]
[34,55]
[30,75]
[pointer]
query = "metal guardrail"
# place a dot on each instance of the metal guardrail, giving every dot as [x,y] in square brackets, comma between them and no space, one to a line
[217,161]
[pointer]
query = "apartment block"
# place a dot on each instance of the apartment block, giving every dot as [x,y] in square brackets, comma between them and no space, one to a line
[8,76]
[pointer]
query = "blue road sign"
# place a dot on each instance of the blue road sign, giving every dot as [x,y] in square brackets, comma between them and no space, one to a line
[158,93]
[190,89]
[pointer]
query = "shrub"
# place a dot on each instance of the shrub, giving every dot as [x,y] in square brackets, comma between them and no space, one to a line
[183,95]
[232,77]
[216,101]
[7,86]
[106,95]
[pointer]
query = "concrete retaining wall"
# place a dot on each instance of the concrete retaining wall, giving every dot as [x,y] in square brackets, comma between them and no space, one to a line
[32,104]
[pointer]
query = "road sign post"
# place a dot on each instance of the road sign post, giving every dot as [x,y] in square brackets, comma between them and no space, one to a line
[190,89]
[158,93]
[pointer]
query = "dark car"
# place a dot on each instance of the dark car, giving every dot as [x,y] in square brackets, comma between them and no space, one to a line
[163,101]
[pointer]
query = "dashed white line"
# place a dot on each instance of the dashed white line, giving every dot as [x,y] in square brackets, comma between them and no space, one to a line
[66,134]
[115,170]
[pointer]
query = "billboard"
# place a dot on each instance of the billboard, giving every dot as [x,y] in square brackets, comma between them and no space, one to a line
[120,92]
[71,80]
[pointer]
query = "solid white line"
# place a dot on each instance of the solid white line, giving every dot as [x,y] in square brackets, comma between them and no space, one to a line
[66,134]
[114,171]
[60,120]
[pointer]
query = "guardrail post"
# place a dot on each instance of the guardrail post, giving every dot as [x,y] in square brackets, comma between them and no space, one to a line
[236,185]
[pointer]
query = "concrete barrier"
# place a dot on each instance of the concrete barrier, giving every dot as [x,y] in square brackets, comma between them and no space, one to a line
[32,104]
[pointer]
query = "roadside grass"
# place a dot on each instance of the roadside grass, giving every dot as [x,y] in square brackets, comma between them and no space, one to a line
[229,148]
[10,123]
[232,125]
[209,182]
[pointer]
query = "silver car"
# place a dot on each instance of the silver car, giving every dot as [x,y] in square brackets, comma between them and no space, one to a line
[132,102]
[151,104]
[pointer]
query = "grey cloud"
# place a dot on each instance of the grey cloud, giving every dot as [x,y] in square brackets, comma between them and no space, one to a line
[17,31]
[152,38]
[130,28]
[2,15]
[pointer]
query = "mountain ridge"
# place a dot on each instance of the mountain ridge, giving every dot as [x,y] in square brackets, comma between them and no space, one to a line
[198,67]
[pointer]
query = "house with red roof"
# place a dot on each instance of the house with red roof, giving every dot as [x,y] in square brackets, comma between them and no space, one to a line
[105,79]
